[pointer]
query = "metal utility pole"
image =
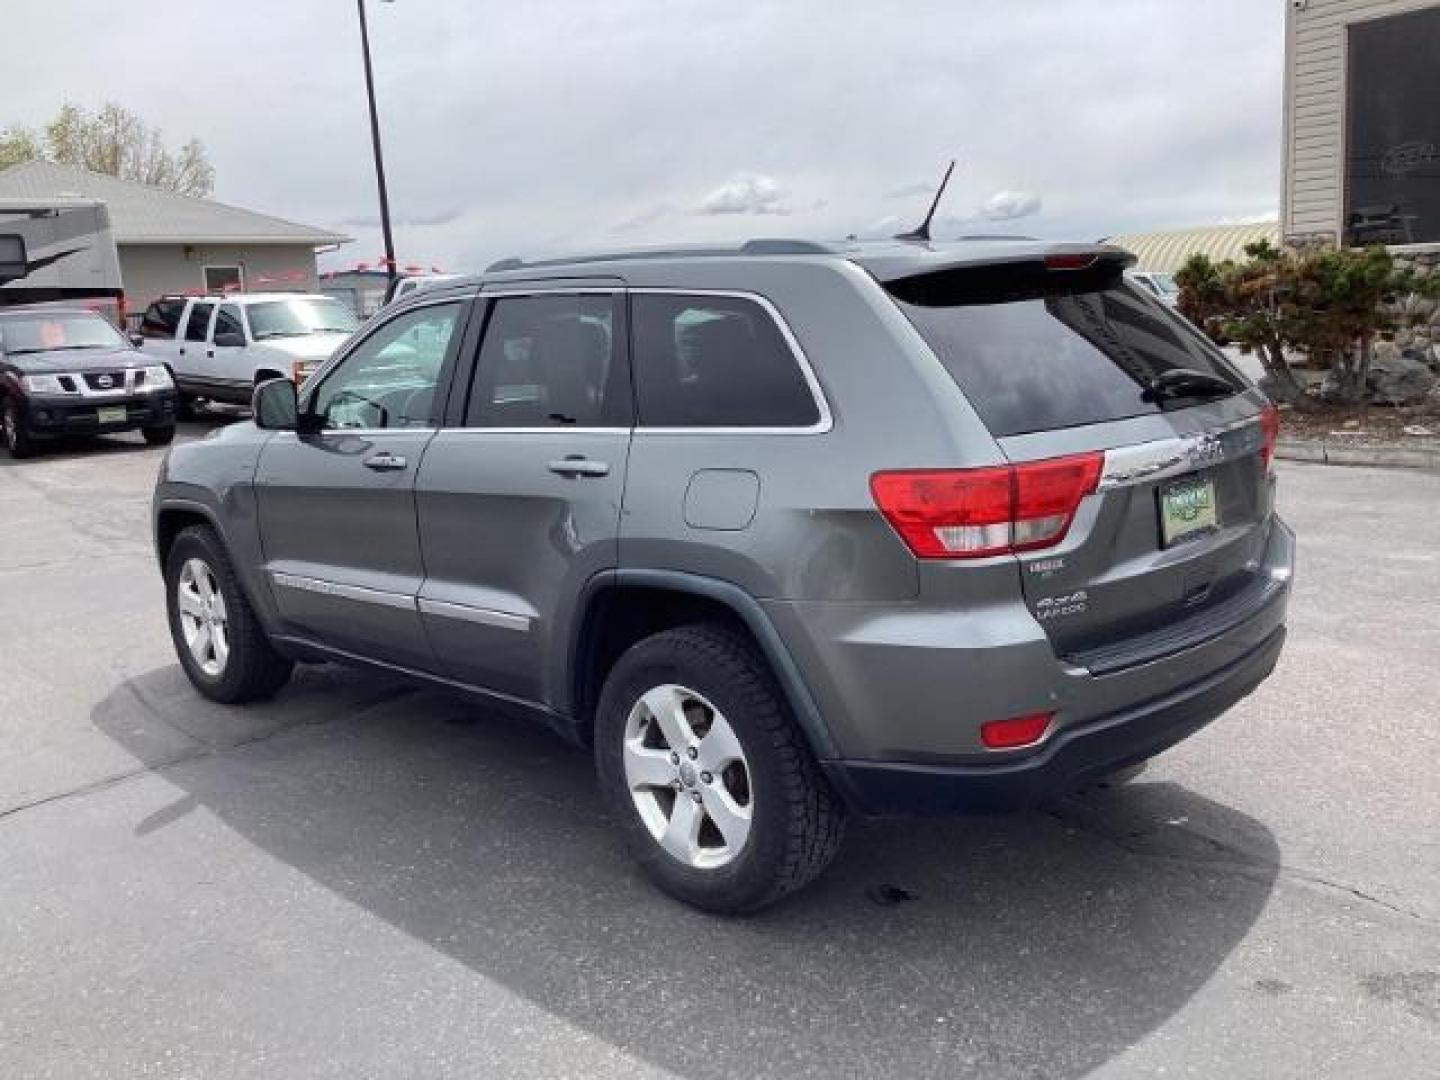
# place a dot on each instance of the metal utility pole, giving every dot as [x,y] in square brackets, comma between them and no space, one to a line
[375,140]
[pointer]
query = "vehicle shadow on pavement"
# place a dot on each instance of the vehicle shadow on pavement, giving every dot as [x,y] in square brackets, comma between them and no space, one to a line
[1040,944]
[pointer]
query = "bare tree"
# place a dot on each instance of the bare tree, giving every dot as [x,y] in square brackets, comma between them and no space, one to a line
[116,142]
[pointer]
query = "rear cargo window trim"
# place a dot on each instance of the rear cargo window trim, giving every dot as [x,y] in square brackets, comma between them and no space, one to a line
[1142,463]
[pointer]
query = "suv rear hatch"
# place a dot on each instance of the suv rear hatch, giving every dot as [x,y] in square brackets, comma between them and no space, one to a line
[1148,535]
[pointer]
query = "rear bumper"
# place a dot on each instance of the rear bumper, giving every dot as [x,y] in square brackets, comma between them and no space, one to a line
[67,415]
[1075,754]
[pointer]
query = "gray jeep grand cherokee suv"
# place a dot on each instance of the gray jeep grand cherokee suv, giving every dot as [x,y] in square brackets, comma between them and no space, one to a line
[783,531]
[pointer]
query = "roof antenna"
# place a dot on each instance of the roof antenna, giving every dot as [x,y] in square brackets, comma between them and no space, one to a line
[923,232]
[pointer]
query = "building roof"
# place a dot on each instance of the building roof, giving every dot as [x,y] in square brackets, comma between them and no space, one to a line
[1167,251]
[141,214]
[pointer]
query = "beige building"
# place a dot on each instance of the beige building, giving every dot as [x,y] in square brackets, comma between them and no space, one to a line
[1362,121]
[171,243]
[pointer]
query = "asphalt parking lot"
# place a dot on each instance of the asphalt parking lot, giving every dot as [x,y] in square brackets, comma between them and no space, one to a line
[365,879]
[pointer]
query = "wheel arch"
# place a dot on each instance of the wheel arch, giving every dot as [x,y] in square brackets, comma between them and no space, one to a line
[605,627]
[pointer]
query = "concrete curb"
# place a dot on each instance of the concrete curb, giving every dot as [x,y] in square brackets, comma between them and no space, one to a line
[1332,452]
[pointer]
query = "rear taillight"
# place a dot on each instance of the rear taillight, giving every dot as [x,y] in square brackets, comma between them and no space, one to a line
[1017,731]
[972,513]
[1269,432]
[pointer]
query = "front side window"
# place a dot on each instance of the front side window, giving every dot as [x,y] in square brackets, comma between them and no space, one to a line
[549,361]
[389,380]
[198,322]
[299,318]
[715,361]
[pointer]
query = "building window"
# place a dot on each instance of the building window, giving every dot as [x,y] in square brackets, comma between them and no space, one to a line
[220,279]
[1392,138]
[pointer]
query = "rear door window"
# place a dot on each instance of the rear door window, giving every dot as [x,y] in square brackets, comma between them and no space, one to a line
[198,322]
[715,361]
[550,361]
[1036,351]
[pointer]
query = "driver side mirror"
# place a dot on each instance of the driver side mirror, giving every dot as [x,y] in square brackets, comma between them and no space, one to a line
[275,405]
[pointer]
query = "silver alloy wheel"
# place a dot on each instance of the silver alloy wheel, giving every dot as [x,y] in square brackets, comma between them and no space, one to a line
[688,777]
[203,620]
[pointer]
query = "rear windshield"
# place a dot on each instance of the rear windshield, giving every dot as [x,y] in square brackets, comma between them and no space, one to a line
[1036,350]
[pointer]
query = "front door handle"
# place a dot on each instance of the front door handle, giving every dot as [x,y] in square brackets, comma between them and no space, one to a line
[385,462]
[579,466]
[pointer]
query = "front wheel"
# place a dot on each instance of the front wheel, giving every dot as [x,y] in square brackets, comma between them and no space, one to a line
[159,436]
[17,436]
[718,794]
[219,640]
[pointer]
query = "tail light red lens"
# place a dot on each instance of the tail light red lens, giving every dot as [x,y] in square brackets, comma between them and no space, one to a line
[1017,731]
[973,513]
[1269,433]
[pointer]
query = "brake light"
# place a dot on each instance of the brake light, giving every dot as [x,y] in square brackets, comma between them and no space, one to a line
[1269,433]
[1070,262]
[972,513]
[1017,731]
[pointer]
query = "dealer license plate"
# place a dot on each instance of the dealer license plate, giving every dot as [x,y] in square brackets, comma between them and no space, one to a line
[114,414]
[1187,507]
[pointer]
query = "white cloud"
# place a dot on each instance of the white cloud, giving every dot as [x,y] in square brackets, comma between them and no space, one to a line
[746,193]
[1009,205]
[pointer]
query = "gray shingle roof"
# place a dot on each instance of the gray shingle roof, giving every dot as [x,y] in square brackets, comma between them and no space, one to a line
[140,214]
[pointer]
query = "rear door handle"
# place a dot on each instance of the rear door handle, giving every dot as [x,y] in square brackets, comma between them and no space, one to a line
[579,466]
[385,462]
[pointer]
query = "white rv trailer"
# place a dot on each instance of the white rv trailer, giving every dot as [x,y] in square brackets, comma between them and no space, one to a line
[60,251]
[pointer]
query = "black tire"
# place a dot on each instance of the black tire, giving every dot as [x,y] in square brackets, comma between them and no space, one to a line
[253,670]
[16,435]
[797,821]
[159,436]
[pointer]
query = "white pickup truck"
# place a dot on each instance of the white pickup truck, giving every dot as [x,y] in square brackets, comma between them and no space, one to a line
[219,347]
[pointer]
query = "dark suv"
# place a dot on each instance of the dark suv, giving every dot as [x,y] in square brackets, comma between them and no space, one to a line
[65,372]
[781,531]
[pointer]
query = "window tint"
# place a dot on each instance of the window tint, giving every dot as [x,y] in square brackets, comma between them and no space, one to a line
[162,318]
[549,361]
[198,322]
[389,380]
[715,361]
[1036,351]
[228,321]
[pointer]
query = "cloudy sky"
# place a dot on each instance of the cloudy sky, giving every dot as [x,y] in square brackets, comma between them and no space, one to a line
[543,125]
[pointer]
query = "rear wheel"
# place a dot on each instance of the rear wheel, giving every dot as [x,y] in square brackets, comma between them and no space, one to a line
[217,637]
[720,799]
[17,436]
[159,436]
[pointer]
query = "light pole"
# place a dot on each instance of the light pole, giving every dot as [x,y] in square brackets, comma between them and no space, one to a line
[375,141]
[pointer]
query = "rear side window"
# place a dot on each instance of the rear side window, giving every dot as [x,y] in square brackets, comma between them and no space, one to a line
[549,361]
[162,318]
[1036,351]
[199,320]
[715,361]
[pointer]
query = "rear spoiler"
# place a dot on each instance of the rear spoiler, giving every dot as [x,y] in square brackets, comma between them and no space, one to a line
[1013,276]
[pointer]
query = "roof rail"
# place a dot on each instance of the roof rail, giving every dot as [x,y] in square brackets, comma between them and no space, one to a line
[763,246]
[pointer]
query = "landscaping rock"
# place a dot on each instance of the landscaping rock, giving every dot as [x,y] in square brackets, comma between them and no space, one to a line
[1397,379]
